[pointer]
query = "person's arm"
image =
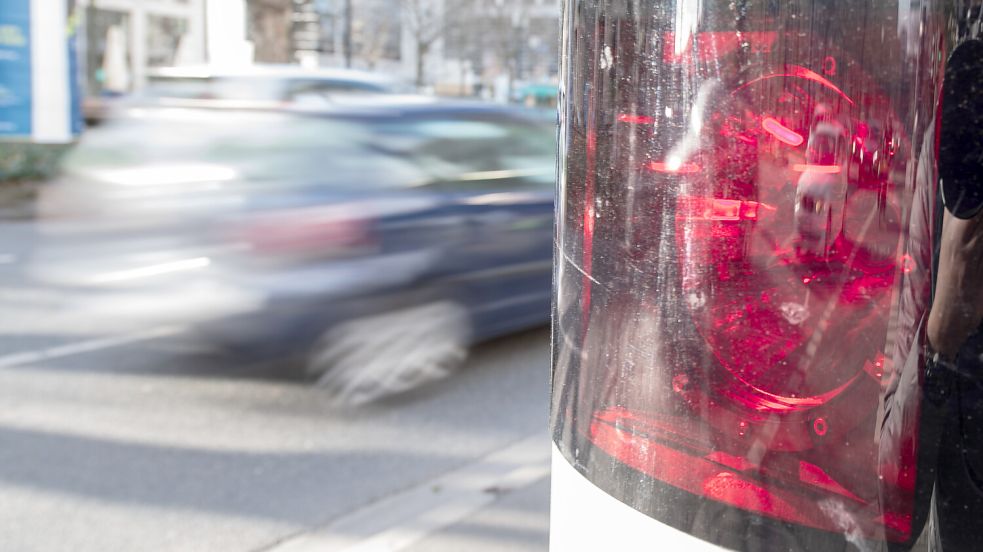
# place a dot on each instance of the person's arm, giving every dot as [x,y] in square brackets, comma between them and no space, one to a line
[958,305]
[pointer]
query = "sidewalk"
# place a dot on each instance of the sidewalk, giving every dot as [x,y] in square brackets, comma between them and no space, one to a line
[17,200]
[498,502]
[518,521]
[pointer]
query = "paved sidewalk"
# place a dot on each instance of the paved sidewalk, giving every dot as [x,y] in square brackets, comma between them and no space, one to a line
[17,200]
[498,502]
[518,521]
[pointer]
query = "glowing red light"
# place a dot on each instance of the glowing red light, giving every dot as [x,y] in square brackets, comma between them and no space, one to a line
[863,130]
[654,446]
[820,169]
[714,45]
[738,463]
[749,210]
[781,132]
[749,495]
[802,73]
[820,427]
[723,210]
[812,474]
[901,523]
[742,428]
[875,369]
[674,168]
[680,383]
[589,220]
[636,119]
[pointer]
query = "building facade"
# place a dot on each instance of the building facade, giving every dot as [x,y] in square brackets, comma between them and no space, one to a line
[123,39]
[460,47]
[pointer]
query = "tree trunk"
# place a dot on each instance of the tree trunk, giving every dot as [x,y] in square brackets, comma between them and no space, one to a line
[348,34]
[270,23]
[421,53]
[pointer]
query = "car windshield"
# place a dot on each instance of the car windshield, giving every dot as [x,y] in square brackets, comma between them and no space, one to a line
[823,146]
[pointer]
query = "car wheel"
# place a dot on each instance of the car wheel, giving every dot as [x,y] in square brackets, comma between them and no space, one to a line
[374,357]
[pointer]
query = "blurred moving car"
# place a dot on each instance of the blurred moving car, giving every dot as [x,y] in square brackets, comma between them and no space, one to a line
[264,83]
[374,235]
[251,86]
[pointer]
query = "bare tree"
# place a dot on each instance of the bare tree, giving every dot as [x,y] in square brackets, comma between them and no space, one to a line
[374,25]
[346,39]
[508,24]
[427,22]
[495,31]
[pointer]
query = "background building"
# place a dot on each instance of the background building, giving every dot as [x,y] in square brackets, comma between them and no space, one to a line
[489,48]
[122,39]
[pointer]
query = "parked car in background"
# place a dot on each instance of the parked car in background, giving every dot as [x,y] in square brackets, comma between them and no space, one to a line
[264,83]
[377,239]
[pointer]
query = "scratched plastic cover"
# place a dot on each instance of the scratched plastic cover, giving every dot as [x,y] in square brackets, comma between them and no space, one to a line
[743,257]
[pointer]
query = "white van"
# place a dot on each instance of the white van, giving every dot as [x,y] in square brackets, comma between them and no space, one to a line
[821,190]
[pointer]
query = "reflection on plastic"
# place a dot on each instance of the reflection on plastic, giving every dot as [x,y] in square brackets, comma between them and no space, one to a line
[781,132]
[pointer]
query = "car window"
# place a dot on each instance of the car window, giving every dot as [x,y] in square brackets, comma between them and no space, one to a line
[261,148]
[305,88]
[215,88]
[825,144]
[468,153]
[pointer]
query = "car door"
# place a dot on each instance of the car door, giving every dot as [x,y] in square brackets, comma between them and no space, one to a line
[496,172]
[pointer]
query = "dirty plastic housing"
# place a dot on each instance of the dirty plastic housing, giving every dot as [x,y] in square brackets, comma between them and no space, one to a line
[744,255]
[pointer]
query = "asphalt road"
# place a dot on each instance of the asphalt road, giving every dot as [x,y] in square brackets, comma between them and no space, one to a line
[144,440]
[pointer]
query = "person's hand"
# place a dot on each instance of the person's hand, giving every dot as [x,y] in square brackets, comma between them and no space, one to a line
[958,306]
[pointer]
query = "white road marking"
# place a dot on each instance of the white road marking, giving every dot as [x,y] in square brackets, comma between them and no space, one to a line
[152,270]
[30,357]
[397,522]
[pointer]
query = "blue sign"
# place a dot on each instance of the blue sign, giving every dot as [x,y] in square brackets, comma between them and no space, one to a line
[15,68]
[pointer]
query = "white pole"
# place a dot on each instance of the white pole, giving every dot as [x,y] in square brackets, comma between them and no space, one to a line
[226,23]
[50,79]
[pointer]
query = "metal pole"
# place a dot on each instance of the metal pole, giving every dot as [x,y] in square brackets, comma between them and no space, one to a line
[348,34]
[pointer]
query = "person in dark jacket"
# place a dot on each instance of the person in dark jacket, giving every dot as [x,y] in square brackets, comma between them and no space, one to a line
[931,433]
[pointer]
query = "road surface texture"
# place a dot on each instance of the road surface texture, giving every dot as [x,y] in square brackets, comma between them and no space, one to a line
[147,441]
